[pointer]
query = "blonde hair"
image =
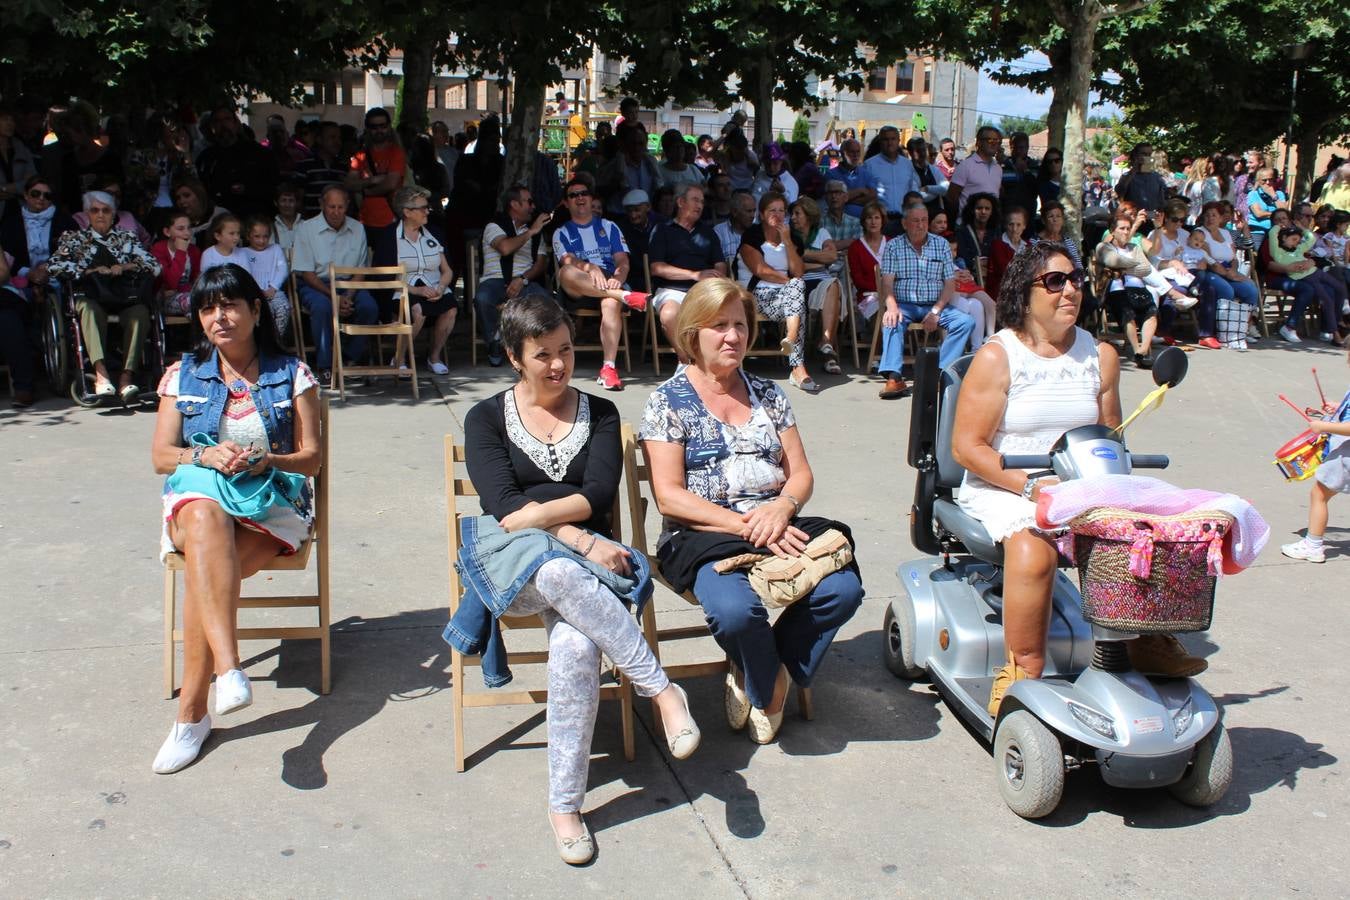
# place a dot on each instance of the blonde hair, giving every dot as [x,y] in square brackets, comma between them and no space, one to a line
[700,308]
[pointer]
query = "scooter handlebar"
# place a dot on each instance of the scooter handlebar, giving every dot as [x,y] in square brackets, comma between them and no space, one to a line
[1018,461]
[1149,461]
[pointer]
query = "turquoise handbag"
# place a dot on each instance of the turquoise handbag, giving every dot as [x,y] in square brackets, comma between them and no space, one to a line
[243,495]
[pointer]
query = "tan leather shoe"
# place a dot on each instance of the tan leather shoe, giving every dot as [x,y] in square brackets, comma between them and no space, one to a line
[737,703]
[894,389]
[575,851]
[764,727]
[1163,656]
[1003,679]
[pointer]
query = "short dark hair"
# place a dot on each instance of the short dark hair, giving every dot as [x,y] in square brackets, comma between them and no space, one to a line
[377,111]
[231,282]
[1014,293]
[530,316]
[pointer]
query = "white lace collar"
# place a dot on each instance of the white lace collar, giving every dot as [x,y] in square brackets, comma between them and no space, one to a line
[552,459]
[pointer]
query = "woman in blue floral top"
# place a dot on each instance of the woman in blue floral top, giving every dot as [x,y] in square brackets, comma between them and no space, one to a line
[729,469]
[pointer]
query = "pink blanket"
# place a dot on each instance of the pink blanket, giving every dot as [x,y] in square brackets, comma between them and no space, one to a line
[1064,502]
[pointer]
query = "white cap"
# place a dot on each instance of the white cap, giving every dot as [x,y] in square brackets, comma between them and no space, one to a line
[636,197]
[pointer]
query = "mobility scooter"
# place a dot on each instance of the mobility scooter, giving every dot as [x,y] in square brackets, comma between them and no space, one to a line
[1090,706]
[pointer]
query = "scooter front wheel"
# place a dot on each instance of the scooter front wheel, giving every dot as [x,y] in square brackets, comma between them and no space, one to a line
[1211,771]
[897,637]
[1030,765]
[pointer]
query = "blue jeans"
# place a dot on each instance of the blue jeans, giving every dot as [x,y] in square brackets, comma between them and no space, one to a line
[1208,300]
[1242,291]
[1301,290]
[798,640]
[957,324]
[492,294]
[321,323]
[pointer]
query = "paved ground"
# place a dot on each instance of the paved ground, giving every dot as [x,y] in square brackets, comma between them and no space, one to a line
[885,793]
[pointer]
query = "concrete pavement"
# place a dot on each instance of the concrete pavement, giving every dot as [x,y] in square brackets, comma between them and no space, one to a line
[884,794]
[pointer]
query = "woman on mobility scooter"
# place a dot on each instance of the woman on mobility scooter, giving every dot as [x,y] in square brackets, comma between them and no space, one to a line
[1037,378]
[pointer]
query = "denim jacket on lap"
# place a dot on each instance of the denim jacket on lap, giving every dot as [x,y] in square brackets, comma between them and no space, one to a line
[494,565]
[202,394]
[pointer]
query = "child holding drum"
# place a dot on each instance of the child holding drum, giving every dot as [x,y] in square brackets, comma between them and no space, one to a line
[1332,477]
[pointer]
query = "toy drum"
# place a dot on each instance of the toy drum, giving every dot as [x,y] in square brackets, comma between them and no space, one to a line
[1299,458]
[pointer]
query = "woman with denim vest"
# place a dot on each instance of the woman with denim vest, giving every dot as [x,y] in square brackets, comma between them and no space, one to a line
[260,409]
[543,455]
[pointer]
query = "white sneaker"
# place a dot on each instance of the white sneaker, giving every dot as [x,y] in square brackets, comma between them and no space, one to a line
[1301,549]
[233,692]
[1240,346]
[439,368]
[1327,336]
[1290,335]
[181,746]
[1253,332]
[1184,303]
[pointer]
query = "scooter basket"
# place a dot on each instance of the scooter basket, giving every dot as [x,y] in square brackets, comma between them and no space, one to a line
[1149,574]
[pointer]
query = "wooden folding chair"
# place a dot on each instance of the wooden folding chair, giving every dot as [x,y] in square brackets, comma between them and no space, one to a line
[473,264]
[462,699]
[371,278]
[580,313]
[316,546]
[637,474]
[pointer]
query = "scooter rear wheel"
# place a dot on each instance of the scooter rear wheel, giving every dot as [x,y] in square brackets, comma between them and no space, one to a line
[1211,771]
[897,641]
[1030,765]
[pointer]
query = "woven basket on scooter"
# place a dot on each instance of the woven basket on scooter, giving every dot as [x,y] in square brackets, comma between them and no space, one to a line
[1149,574]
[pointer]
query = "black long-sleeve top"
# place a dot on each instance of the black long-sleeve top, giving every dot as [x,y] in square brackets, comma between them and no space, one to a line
[509,467]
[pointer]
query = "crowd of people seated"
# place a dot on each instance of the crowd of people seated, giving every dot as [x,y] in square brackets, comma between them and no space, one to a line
[198,192]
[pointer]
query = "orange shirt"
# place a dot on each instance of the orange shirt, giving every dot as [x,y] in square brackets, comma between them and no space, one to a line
[375,209]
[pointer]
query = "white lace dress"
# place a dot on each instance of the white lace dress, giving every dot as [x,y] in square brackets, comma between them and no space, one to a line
[1046,397]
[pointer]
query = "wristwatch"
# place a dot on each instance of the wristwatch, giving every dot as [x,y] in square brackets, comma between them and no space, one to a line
[1028,489]
[197,455]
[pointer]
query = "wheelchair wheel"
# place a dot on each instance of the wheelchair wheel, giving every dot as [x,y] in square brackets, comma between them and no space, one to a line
[82,391]
[55,347]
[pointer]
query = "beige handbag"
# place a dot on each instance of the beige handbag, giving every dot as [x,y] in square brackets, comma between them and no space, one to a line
[782,581]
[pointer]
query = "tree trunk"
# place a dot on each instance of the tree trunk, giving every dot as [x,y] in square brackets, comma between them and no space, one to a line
[418,55]
[1082,27]
[1059,95]
[761,95]
[1306,144]
[522,134]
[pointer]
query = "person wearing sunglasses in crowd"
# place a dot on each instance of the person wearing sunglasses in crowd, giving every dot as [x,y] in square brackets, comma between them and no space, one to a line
[1036,379]
[1262,200]
[32,236]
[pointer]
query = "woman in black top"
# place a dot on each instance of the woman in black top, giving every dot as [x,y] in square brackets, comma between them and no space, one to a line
[545,455]
[979,229]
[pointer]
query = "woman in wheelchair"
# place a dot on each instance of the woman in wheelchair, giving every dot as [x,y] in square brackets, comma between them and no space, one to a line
[1037,378]
[543,455]
[111,272]
[728,467]
[260,409]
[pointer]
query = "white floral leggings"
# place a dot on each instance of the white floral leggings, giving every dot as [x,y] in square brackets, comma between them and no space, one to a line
[776,302]
[583,618]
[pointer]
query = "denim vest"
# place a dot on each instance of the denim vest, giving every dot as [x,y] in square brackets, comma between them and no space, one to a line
[202,394]
[494,565]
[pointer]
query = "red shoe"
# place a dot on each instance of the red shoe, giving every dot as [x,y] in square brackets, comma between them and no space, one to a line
[1170,341]
[635,300]
[1210,343]
[609,377]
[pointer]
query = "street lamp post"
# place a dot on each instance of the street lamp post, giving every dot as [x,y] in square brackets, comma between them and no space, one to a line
[1297,53]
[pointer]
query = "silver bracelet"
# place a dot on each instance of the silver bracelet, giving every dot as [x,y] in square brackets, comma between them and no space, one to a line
[796,504]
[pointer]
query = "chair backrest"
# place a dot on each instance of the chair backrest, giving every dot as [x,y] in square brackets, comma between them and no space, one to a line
[949,473]
[367,278]
[636,471]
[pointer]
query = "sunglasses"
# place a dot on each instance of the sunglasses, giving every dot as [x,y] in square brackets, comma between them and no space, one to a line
[1267,180]
[577,195]
[416,208]
[41,195]
[1054,282]
[1175,219]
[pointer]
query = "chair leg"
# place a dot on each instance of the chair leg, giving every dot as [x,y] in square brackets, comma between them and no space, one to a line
[170,612]
[875,350]
[457,705]
[473,333]
[626,715]
[805,703]
[325,623]
[653,329]
[412,367]
[627,357]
